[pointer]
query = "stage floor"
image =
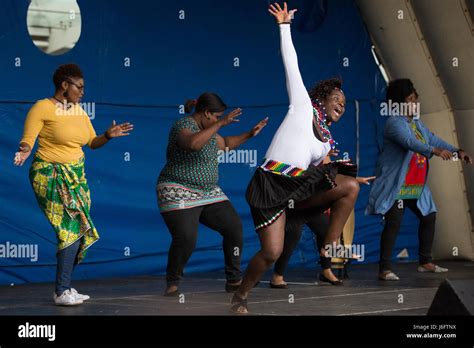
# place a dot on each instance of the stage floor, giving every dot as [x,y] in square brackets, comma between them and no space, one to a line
[362,294]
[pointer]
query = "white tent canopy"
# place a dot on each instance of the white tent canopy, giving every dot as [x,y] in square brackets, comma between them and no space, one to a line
[431,42]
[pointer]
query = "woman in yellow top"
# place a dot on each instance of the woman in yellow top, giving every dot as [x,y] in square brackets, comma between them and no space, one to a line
[57,172]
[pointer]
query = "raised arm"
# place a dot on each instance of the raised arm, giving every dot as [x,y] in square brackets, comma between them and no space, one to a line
[114,131]
[234,141]
[195,141]
[297,92]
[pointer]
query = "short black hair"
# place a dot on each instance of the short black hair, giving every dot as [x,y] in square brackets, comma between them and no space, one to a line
[65,72]
[399,89]
[324,88]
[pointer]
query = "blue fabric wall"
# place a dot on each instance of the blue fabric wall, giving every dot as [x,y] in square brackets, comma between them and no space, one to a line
[173,60]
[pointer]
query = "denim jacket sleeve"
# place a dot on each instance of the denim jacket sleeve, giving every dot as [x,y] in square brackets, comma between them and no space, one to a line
[436,141]
[398,130]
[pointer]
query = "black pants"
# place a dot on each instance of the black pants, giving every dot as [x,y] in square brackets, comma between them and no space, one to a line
[393,220]
[318,224]
[183,226]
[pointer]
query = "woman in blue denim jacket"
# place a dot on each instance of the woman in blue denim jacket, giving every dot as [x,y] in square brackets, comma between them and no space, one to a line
[401,172]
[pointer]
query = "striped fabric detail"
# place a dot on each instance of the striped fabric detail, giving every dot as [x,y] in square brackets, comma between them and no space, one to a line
[417,132]
[281,168]
[173,196]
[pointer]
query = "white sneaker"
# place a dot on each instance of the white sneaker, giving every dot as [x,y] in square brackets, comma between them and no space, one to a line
[436,269]
[80,296]
[67,298]
[388,276]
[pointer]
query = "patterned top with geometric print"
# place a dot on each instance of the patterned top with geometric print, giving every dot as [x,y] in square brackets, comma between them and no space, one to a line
[189,178]
[415,178]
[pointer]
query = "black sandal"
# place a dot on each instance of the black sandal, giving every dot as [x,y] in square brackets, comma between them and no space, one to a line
[279,286]
[323,279]
[238,303]
[175,293]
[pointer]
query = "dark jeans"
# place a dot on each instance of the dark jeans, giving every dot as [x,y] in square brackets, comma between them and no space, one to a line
[393,220]
[318,224]
[183,226]
[67,260]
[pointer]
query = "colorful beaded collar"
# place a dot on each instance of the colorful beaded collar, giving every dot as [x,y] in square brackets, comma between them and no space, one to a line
[320,117]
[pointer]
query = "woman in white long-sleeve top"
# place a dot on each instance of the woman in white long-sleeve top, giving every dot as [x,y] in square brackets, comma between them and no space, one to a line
[292,175]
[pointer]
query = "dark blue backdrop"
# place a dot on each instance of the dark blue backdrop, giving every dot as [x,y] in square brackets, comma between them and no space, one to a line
[173,60]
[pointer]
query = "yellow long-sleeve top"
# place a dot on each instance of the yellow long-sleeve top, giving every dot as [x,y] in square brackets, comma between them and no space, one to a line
[61,133]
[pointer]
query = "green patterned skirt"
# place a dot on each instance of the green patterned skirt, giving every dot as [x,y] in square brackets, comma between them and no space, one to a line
[63,195]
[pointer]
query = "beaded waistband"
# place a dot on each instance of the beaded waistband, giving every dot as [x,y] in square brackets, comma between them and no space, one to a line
[281,168]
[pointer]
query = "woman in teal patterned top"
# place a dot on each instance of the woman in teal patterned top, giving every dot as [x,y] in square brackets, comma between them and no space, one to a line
[187,189]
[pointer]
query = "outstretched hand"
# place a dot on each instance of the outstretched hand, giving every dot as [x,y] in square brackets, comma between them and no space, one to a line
[258,127]
[21,155]
[281,15]
[465,157]
[365,179]
[443,153]
[231,117]
[119,130]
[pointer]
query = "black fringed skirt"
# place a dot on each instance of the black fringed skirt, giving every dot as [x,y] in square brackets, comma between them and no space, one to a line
[273,189]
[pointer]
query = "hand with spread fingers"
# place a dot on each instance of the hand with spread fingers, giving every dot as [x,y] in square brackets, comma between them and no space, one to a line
[119,130]
[231,117]
[22,155]
[281,15]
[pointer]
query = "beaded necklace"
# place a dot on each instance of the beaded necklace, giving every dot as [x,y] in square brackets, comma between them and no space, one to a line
[320,116]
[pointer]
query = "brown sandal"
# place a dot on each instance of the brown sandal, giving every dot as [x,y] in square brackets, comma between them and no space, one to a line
[239,305]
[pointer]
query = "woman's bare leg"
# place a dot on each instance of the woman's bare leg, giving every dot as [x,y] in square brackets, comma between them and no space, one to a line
[340,199]
[271,241]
